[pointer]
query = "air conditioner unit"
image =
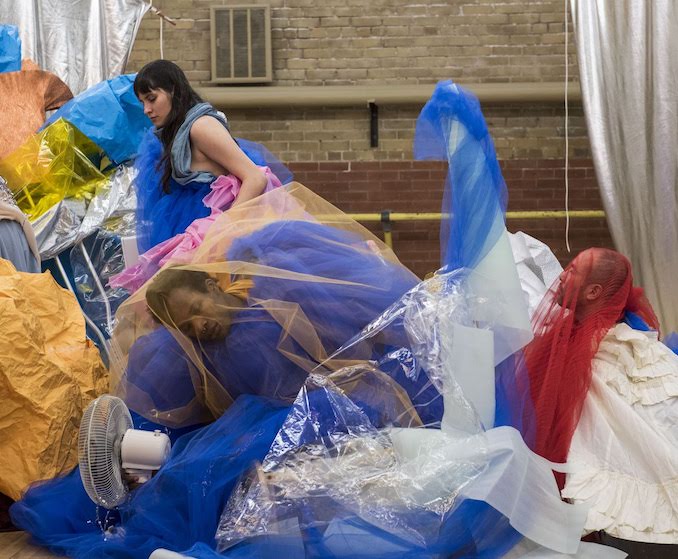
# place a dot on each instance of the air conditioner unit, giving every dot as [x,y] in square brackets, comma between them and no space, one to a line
[241,43]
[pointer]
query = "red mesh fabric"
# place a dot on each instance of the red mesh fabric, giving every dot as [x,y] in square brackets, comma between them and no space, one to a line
[591,295]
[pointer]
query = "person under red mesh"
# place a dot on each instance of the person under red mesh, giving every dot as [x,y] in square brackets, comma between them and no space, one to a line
[592,294]
[603,396]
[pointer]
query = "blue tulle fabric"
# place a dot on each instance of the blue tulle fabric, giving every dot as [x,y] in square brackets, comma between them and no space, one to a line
[451,128]
[249,360]
[180,507]
[161,216]
[176,509]
[637,323]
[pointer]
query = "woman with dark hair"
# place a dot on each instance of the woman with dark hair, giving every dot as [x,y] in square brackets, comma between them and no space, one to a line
[190,169]
[177,111]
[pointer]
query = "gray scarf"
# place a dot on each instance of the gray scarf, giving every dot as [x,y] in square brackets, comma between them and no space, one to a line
[181,147]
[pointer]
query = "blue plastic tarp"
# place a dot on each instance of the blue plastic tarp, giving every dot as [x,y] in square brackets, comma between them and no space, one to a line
[10,49]
[110,115]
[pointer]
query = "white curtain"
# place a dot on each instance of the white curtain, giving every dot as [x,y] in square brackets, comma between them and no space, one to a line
[81,41]
[628,65]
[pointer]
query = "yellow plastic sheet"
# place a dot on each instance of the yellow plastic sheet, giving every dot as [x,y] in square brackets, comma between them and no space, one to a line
[49,372]
[52,165]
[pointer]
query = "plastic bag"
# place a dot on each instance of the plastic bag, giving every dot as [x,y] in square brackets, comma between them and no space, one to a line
[57,163]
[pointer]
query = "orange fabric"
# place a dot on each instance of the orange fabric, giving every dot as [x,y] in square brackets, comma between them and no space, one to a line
[24,98]
[238,288]
[49,373]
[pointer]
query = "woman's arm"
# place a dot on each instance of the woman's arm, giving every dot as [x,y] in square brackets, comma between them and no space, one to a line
[213,141]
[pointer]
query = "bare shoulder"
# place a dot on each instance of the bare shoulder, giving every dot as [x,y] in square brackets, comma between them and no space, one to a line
[207,127]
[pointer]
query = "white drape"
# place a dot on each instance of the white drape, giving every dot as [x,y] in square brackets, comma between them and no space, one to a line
[81,41]
[628,64]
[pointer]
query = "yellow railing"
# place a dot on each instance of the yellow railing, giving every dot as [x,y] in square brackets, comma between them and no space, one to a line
[387,218]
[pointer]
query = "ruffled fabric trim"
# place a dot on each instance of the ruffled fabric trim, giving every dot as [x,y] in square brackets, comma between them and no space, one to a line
[650,370]
[643,372]
[626,507]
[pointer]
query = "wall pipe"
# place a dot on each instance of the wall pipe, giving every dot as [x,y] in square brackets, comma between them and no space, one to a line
[432,216]
[235,97]
[387,218]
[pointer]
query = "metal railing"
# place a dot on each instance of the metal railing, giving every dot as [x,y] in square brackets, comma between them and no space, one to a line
[388,218]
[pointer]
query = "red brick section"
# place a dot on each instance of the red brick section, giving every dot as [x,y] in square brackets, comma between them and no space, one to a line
[416,186]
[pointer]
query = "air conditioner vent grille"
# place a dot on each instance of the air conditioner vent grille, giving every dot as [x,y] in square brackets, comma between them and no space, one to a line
[241,44]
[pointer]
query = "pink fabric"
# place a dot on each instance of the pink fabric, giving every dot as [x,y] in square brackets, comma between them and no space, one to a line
[179,248]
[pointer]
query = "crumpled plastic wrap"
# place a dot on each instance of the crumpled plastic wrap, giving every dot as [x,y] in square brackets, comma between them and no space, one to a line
[58,163]
[71,220]
[49,372]
[94,262]
[110,115]
[353,463]
[337,451]
[10,49]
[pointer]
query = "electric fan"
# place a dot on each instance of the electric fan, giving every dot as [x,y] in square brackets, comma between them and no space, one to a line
[109,447]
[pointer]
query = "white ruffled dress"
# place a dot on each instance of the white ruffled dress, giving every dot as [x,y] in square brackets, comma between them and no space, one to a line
[625,448]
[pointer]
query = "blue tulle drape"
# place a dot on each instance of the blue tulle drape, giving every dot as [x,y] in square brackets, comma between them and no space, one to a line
[451,128]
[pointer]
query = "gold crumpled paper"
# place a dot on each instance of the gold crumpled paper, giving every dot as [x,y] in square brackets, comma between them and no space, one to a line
[49,373]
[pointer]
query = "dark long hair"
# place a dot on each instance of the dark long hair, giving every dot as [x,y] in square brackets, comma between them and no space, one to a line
[165,75]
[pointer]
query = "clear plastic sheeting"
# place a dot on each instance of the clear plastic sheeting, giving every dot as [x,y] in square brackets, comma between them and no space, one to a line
[318,473]
[93,262]
[430,315]
[354,461]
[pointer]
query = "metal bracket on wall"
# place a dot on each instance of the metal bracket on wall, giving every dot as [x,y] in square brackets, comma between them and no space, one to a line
[374,124]
[387,228]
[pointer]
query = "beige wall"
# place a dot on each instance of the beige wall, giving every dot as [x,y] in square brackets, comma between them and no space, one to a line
[342,134]
[318,42]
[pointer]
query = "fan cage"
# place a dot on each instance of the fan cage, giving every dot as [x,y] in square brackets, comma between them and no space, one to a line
[103,426]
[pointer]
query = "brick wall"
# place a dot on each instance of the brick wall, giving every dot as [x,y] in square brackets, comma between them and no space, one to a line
[417,186]
[317,42]
[342,134]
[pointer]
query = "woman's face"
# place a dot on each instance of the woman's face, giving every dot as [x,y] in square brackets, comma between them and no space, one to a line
[157,106]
